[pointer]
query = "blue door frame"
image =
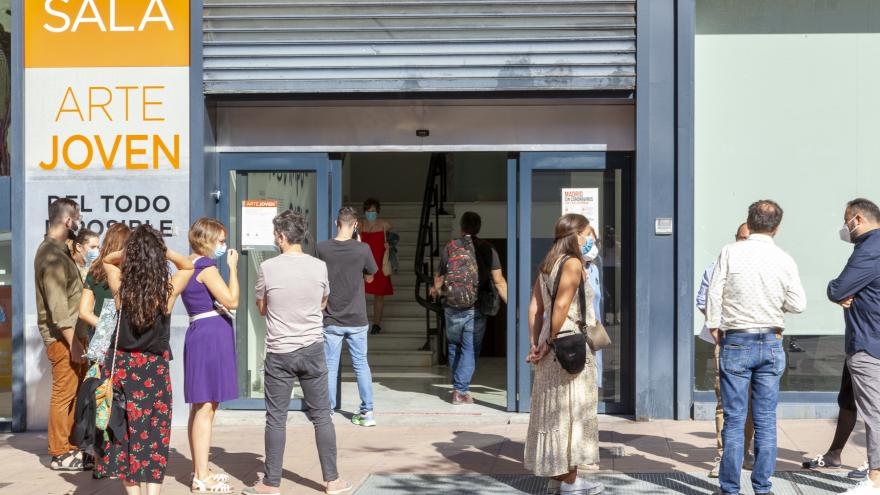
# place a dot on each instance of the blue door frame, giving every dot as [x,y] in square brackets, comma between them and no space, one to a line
[528,163]
[329,199]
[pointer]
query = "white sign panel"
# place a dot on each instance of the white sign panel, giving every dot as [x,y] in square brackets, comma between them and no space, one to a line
[106,123]
[257,231]
[582,200]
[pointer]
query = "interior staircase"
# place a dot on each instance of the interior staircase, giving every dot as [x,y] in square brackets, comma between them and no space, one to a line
[404,325]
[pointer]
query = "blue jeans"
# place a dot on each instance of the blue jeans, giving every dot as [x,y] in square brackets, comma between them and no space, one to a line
[756,361]
[464,333]
[356,338]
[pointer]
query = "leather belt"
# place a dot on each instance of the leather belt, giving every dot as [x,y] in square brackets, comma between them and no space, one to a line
[758,331]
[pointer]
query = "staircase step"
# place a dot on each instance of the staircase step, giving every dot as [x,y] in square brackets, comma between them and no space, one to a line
[400,342]
[393,359]
[405,326]
[403,309]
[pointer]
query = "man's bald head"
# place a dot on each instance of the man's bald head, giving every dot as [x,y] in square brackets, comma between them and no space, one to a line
[742,233]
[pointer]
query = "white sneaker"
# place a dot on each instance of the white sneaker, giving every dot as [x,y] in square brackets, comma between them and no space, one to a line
[865,487]
[581,487]
[713,473]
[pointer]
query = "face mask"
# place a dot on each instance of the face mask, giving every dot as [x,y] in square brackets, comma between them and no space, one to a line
[75,226]
[92,255]
[220,250]
[587,246]
[592,254]
[372,215]
[845,233]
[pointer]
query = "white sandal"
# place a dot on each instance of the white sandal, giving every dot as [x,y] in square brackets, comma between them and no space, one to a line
[221,477]
[199,486]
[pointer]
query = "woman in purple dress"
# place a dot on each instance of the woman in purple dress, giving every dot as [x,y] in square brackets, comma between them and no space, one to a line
[209,349]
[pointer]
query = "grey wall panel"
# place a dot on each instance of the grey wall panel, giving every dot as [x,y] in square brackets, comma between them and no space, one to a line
[312,46]
[655,198]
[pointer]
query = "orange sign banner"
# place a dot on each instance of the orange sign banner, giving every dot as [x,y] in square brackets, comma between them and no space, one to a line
[106,33]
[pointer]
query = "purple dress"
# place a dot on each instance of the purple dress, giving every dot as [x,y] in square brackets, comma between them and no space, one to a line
[209,348]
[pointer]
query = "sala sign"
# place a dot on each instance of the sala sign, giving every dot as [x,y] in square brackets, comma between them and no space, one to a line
[88,13]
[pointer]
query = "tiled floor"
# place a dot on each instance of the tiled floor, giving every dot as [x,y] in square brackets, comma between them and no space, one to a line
[424,444]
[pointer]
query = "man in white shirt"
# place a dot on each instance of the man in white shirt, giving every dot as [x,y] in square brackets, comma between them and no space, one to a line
[742,234]
[754,284]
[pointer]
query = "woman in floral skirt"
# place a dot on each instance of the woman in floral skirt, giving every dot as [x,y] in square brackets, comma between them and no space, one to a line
[145,293]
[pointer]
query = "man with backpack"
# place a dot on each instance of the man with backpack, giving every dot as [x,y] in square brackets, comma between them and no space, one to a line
[471,282]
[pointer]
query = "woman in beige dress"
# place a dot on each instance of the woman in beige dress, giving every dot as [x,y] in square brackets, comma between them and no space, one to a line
[563,427]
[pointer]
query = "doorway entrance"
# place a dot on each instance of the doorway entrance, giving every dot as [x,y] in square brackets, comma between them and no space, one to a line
[517,195]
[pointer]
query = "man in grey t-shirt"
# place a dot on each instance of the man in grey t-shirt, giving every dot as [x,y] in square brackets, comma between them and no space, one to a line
[292,290]
[349,264]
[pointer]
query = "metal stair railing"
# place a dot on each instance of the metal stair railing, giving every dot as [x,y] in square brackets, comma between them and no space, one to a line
[428,249]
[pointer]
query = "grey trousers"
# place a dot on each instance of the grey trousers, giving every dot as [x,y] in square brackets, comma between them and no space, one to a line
[310,367]
[865,371]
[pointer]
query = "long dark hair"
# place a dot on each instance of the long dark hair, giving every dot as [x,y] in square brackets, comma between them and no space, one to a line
[146,282]
[114,240]
[565,242]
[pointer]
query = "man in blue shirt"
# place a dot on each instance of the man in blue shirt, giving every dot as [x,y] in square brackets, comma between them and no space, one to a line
[857,290]
[742,234]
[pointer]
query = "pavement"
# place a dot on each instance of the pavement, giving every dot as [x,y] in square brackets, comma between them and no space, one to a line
[444,447]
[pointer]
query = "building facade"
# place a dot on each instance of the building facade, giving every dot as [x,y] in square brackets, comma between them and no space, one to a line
[501,108]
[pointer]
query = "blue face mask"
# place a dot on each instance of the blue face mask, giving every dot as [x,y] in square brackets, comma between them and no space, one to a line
[220,250]
[372,215]
[585,249]
[92,255]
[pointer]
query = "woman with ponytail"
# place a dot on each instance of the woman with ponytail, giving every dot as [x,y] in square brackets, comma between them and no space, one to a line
[145,292]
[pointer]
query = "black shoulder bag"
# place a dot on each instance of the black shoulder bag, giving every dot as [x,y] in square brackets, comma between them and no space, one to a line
[570,348]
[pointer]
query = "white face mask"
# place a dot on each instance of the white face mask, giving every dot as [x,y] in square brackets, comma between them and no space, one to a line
[592,254]
[845,233]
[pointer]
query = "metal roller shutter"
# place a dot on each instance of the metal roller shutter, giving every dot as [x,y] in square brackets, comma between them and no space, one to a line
[309,46]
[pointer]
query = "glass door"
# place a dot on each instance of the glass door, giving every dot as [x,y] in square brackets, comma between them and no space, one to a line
[259,185]
[596,184]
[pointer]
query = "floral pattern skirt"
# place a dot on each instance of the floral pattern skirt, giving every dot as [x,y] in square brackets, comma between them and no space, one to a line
[142,454]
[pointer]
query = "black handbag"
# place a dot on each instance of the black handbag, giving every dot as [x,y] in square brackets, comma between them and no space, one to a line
[570,348]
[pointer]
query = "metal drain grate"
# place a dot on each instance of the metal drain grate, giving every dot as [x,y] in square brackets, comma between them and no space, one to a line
[784,483]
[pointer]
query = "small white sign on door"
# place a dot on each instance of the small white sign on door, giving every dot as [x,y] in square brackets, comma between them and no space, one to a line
[582,200]
[257,231]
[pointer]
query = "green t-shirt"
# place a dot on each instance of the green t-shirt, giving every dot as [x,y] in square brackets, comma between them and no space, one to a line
[102,292]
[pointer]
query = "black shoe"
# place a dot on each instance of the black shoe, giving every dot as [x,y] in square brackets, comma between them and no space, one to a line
[794,347]
[375,329]
[88,462]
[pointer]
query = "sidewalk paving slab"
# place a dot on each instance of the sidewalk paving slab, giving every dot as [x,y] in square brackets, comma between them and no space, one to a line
[636,456]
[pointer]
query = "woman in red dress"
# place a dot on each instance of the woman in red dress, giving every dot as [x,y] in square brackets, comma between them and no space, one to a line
[373,232]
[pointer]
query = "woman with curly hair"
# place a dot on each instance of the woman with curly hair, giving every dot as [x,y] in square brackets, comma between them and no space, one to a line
[95,289]
[145,293]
